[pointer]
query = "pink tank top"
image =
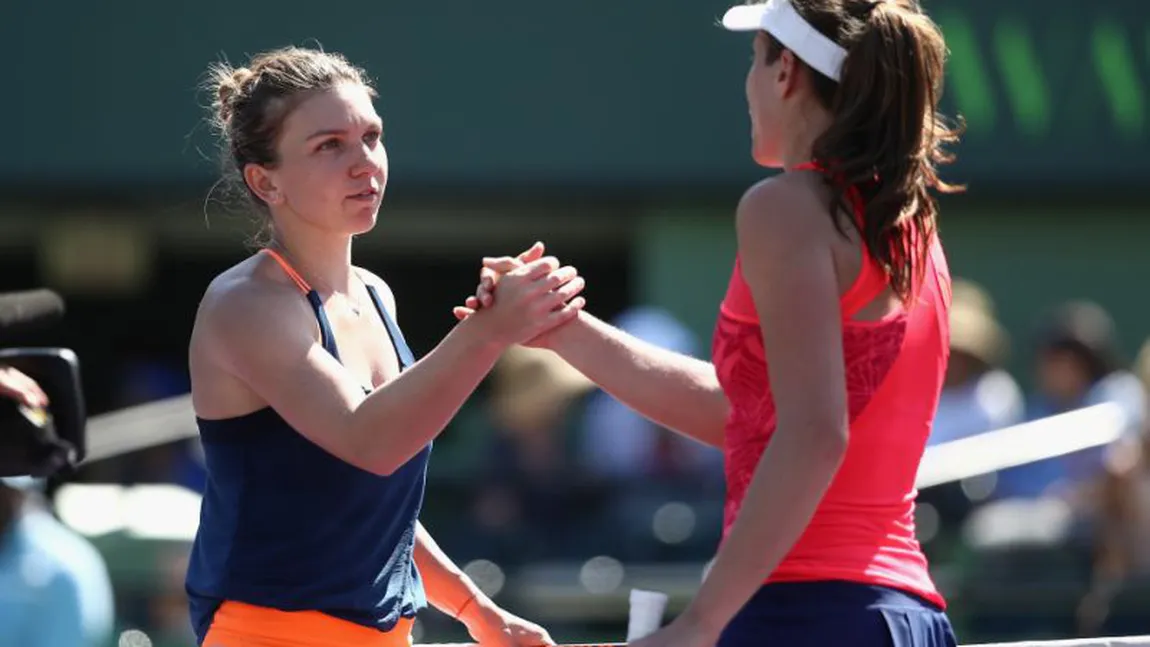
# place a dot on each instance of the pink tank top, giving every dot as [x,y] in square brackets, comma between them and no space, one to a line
[863,529]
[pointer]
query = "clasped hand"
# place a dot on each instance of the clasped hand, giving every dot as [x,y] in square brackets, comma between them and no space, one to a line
[536,295]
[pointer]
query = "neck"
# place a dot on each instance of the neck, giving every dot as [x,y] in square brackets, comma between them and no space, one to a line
[319,256]
[810,122]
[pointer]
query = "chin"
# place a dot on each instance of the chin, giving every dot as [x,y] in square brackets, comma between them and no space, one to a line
[763,155]
[766,160]
[362,221]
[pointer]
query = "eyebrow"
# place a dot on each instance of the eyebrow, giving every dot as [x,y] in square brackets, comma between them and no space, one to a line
[328,132]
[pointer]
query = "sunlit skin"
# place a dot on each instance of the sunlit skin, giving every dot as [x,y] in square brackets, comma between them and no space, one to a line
[324,188]
[329,180]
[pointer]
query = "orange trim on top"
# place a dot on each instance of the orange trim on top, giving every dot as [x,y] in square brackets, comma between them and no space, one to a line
[288,269]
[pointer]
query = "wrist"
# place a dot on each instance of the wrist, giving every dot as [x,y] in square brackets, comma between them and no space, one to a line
[563,339]
[705,619]
[480,338]
[477,610]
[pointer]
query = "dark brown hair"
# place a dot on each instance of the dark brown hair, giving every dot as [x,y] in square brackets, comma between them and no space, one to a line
[250,105]
[887,137]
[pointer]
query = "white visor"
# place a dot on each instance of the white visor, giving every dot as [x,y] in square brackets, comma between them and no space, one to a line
[779,19]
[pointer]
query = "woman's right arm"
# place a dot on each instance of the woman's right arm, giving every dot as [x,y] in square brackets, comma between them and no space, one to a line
[674,390]
[379,432]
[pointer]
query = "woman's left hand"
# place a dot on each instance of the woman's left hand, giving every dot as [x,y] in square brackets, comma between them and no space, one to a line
[494,627]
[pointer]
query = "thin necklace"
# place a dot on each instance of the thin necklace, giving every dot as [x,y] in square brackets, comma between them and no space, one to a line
[352,302]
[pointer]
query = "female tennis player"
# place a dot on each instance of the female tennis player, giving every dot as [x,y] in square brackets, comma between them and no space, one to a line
[831,342]
[316,421]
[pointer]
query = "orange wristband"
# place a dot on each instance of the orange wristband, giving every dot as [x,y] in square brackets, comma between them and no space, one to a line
[459,614]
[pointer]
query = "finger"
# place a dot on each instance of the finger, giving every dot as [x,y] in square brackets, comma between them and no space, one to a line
[8,382]
[537,269]
[29,396]
[560,277]
[501,265]
[472,302]
[533,253]
[484,296]
[488,277]
[461,312]
[41,398]
[15,393]
[567,291]
[562,315]
[22,388]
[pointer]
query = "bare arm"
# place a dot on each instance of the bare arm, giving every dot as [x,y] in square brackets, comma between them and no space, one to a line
[448,588]
[451,591]
[788,263]
[259,337]
[674,390]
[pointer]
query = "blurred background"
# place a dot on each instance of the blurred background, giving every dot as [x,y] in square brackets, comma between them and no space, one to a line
[617,133]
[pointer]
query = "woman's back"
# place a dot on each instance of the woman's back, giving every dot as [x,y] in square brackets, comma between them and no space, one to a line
[863,529]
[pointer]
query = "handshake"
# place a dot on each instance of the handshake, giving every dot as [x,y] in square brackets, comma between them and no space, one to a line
[535,297]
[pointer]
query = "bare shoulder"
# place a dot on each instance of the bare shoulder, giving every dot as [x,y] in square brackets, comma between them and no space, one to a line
[784,212]
[248,305]
[381,286]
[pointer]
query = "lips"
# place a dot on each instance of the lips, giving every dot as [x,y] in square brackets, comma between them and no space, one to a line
[368,194]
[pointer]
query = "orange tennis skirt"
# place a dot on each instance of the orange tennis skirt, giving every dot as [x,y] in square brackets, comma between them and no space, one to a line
[244,625]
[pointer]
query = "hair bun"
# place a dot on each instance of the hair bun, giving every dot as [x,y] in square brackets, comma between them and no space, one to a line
[229,84]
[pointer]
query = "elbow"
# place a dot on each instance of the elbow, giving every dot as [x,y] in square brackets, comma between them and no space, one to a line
[825,441]
[830,441]
[384,470]
[378,460]
[374,461]
[382,467]
[365,451]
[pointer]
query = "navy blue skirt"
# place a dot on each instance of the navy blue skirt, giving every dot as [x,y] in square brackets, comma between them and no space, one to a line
[809,614]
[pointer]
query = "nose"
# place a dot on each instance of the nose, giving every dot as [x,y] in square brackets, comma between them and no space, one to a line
[370,160]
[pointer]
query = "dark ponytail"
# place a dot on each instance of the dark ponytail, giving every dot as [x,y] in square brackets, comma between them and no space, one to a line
[887,137]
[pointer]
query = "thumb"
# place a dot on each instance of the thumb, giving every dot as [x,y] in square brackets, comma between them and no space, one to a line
[533,253]
[502,264]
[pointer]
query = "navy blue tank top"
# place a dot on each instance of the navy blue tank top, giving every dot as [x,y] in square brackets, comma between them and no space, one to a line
[286,525]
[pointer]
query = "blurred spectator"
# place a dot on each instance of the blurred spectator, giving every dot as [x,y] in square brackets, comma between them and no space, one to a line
[978,395]
[667,489]
[1077,365]
[1122,550]
[148,379]
[54,586]
[618,444]
[530,490]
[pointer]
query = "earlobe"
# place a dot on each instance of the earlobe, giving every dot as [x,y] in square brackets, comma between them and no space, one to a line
[261,183]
